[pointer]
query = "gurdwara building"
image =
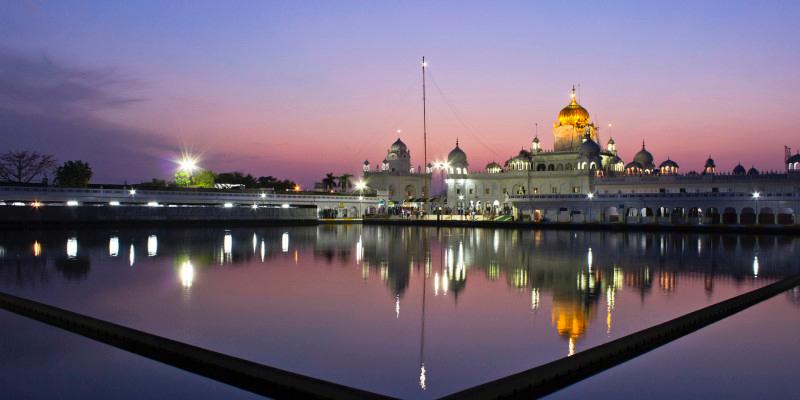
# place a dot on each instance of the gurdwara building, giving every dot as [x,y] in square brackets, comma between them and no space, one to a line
[578,180]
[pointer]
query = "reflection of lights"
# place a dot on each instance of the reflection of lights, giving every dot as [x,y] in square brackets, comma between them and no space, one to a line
[535,299]
[284,205]
[113,246]
[285,242]
[152,246]
[187,274]
[445,285]
[227,246]
[131,255]
[699,246]
[296,256]
[755,266]
[153,204]
[37,248]
[397,306]
[228,205]
[365,271]
[113,203]
[519,278]
[422,376]
[618,278]
[72,247]
[571,347]
[255,243]
[610,296]
[263,250]
[72,203]
[496,241]
[589,259]
[435,283]
[359,250]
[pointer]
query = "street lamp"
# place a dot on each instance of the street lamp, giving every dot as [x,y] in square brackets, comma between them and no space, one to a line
[756,196]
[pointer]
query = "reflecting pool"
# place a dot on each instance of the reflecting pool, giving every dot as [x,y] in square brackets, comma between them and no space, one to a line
[405,311]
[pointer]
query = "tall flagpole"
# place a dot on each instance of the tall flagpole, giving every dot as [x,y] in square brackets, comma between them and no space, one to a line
[425,133]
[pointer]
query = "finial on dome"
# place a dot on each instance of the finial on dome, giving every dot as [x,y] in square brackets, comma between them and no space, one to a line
[642,144]
[572,94]
[456,141]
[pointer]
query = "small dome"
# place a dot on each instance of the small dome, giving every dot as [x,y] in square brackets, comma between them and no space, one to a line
[536,139]
[457,158]
[668,163]
[710,163]
[398,146]
[589,149]
[493,168]
[752,171]
[793,159]
[633,165]
[366,162]
[611,141]
[739,170]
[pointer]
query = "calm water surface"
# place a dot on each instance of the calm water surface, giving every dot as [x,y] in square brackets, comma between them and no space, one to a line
[405,311]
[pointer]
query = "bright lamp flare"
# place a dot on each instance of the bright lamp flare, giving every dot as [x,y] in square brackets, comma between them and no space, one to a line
[187,163]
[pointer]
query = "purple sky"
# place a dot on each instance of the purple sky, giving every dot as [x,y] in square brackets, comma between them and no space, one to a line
[297,89]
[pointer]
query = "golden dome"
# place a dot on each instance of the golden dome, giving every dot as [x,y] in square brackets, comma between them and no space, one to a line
[573,114]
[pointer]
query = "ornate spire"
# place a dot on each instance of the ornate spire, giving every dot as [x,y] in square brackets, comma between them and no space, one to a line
[572,96]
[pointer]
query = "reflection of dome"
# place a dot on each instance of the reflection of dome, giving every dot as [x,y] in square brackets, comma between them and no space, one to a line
[570,319]
[457,158]
[739,170]
[589,149]
[398,146]
[573,113]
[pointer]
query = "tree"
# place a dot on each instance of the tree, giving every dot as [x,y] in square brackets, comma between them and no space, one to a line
[182,178]
[345,183]
[271,182]
[204,179]
[25,166]
[329,182]
[237,178]
[75,173]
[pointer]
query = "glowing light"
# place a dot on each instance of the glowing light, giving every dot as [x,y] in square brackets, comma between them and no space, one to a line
[571,347]
[187,163]
[72,247]
[186,274]
[435,283]
[113,203]
[535,299]
[36,204]
[359,250]
[254,206]
[153,204]
[590,196]
[422,376]
[152,246]
[756,195]
[285,205]
[131,255]
[72,203]
[361,185]
[227,246]
[37,248]
[132,192]
[228,205]
[589,259]
[263,195]
[263,250]
[113,246]
[296,188]
[285,242]
[397,306]
[255,243]
[755,266]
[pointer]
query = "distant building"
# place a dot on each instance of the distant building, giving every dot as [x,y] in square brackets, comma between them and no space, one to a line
[397,178]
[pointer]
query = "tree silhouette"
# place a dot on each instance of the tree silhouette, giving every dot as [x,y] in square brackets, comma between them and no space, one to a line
[25,166]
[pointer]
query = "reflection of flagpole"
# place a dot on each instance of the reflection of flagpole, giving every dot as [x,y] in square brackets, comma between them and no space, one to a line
[422,384]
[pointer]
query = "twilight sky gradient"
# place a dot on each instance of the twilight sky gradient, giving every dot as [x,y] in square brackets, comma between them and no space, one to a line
[297,89]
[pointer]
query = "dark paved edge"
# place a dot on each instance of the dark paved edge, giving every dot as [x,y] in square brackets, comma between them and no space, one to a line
[247,375]
[550,377]
[620,227]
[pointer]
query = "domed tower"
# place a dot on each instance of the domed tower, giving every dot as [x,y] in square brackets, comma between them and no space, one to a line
[710,168]
[589,154]
[457,160]
[536,146]
[572,125]
[399,157]
[645,160]
[739,169]
[612,146]
[366,166]
[493,168]
[668,167]
[793,163]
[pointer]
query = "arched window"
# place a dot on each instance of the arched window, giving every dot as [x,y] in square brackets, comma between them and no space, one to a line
[551,167]
[560,167]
